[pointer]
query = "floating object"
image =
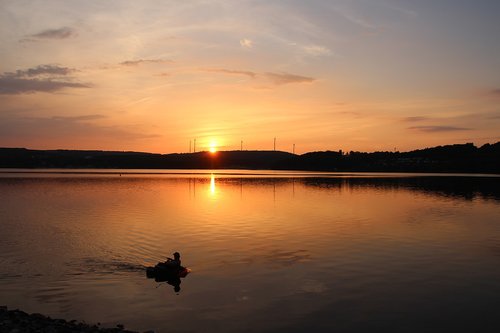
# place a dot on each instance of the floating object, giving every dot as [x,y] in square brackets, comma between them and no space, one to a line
[166,271]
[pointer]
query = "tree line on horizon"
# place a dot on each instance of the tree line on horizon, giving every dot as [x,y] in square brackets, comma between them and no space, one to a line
[450,158]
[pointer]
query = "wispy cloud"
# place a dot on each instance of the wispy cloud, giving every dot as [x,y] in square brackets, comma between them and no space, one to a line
[145,61]
[79,118]
[286,78]
[495,92]
[12,85]
[230,71]
[349,113]
[41,70]
[61,33]
[356,18]
[246,43]
[415,119]
[317,50]
[43,78]
[433,129]
[409,13]
[275,78]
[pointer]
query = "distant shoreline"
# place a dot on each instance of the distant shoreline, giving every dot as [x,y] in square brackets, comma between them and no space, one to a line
[459,158]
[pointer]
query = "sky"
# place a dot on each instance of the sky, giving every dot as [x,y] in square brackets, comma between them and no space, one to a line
[154,76]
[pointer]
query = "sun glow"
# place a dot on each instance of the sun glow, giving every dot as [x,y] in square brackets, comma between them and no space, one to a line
[212,147]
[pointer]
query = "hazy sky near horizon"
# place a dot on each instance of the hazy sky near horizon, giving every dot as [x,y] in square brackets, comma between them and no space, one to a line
[341,74]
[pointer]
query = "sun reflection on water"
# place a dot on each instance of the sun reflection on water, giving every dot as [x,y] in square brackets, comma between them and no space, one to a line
[212,185]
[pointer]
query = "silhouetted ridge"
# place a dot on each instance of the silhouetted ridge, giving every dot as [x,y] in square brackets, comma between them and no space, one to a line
[452,158]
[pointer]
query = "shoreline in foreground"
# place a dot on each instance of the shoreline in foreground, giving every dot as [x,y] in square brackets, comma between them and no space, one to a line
[17,321]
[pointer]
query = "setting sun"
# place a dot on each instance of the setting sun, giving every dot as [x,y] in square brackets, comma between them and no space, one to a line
[212,147]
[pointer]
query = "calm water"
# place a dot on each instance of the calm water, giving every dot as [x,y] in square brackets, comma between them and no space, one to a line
[269,252]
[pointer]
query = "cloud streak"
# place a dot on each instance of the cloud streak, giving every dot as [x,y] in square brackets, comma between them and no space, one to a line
[12,85]
[79,118]
[317,50]
[43,78]
[138,62]
[435,129]
[230,71]
[61,33]
[286,78]
[41,70]
[276,78]
[415,119]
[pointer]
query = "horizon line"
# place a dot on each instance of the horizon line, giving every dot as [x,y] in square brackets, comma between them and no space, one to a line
[251,150]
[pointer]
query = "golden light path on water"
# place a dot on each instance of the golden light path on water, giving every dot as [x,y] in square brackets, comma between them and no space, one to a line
[212,185]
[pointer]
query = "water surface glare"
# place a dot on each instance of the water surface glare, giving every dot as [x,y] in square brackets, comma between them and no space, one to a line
[269,252]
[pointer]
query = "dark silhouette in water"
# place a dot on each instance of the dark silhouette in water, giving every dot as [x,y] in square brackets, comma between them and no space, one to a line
[176,261]
[169,271]
[176,282]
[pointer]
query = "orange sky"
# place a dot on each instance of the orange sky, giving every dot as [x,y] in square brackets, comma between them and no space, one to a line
[323,75]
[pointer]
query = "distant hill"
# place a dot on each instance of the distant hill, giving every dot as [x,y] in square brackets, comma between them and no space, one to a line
[452,158]
[26,158]
[458,158]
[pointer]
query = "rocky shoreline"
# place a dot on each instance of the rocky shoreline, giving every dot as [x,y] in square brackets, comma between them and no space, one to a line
[17,321]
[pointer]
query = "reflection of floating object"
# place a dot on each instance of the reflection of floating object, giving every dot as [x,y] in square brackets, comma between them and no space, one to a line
[166,272]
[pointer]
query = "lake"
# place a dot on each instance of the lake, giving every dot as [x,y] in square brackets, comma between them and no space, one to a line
[268,251]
